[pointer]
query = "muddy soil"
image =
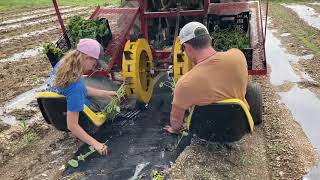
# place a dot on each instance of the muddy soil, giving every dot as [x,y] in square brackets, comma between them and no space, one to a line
[21,76]
[43,158]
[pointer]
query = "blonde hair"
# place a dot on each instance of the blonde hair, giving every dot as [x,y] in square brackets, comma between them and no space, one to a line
[70,69]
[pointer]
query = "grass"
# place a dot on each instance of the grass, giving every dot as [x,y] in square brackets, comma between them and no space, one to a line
[291,22]
[18,4]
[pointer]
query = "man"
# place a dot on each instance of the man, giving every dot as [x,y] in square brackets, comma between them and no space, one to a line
[215,76]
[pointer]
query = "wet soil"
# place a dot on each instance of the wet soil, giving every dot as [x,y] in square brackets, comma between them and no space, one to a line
[19,77]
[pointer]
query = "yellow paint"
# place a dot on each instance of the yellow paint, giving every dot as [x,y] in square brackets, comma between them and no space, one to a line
[97,118]
[135,70]
[180,68]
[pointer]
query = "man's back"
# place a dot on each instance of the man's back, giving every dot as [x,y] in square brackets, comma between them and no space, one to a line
[222,76]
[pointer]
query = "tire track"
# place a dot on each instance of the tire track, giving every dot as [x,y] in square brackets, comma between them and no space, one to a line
[33,12]
[18,26]
[19,45]
[12,21]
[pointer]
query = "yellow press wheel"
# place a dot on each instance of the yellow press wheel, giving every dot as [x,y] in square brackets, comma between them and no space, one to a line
[181,63]
[137,67]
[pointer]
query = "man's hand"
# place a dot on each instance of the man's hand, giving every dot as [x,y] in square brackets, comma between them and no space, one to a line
[170,130]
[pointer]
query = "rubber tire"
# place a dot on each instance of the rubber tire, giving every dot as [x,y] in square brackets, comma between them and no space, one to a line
[254,99]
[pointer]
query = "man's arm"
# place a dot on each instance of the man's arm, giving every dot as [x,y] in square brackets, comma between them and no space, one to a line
[100,93]
[176,119]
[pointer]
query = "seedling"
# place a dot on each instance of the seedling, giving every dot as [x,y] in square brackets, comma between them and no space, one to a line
[81,28]
[113,108]
[226,39]
[75,163]
[156,175]
[51,48]
[168,84]
[183,134]
[28,136]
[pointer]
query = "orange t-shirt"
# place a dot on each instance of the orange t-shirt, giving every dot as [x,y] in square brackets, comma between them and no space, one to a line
[222,76]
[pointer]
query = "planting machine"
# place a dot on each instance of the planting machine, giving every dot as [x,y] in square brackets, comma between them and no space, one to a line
[144,44]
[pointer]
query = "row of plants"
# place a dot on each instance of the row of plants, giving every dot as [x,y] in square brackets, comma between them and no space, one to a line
[79,28]
[224,40]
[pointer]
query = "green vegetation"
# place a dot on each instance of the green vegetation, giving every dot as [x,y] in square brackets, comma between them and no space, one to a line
[28,135]
[156,175]
[226,39]
[95,29]
[290,21]
[113,108]
[75,163]
[18,4]
[51,48]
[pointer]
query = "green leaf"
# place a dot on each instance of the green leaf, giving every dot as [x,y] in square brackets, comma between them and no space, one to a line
[73,163]
[81,157]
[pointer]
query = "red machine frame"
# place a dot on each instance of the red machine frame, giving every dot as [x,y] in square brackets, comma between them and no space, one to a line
[127,17]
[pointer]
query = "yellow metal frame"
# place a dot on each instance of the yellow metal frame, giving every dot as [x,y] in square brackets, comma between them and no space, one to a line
[136,71]
[231,101]
[97,118]
[181,63]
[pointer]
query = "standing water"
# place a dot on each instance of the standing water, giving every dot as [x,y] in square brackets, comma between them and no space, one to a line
[303,104]
[306,13]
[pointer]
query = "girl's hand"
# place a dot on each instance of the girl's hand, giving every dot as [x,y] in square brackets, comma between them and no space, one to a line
[110,93]
[101,148]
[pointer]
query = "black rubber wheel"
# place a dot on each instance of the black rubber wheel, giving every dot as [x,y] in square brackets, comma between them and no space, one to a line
[254,99]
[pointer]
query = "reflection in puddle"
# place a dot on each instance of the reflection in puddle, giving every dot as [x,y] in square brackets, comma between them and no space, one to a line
[304,106]
[285,34]
[23,55]
[278,60]
[306,13]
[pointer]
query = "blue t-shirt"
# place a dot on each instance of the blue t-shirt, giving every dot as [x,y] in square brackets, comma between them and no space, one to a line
[75,93]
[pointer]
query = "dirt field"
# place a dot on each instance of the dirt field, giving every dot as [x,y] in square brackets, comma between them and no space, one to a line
[277,149]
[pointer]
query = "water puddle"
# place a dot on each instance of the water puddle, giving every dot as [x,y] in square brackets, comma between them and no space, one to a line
[285,34]
[304,106]
[41,15]
[279,61]
[23,55]
[27,35]
[11,120]
[23,99]
[306,13]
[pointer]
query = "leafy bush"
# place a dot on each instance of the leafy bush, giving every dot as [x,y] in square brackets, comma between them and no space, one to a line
[81,28]
[227,39]
[51,48]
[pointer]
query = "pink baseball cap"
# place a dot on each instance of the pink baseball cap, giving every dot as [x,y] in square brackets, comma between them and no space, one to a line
[91,48]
